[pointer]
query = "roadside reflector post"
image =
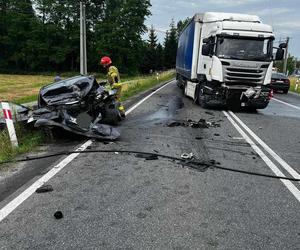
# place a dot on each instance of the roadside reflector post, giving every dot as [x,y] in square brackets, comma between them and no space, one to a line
[297,84]
[9,124]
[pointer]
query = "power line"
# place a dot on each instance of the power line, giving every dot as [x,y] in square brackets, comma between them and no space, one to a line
[193,164]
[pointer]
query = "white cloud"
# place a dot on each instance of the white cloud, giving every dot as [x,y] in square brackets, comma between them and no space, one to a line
[232,2]
[271,12]
[289,25]
[157,29]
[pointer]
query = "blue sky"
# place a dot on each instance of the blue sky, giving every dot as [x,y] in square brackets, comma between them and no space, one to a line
[283,15]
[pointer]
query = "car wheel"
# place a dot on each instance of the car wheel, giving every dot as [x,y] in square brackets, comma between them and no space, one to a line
[285,91]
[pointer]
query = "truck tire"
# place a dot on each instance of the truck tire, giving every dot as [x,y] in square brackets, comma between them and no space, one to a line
[202,98]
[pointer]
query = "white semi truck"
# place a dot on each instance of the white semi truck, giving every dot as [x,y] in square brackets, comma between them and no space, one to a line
[227,59]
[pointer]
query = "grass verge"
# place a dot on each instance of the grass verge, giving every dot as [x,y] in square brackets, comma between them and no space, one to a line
[25,88]
[293,85]
[133,87]
[28,141]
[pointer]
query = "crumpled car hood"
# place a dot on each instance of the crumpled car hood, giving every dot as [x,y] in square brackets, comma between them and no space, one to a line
[67,91]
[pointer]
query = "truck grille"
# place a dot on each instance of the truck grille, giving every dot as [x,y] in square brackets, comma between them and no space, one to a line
[244,76]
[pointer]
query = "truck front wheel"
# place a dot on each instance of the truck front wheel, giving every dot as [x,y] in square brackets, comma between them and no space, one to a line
[202,98]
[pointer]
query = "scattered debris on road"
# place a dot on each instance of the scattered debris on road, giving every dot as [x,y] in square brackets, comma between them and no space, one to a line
[196,164]
[202,123]
[58,215]
[44,189]
[187,156]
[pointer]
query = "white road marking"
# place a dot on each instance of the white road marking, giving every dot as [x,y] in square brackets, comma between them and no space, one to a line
[288,104]
[12,205]
[290,186]
[283,163]
[146,98]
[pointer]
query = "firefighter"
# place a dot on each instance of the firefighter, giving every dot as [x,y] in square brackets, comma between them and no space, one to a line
[113,78]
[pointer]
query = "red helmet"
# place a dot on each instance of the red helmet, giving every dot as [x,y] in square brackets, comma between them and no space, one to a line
[105,61]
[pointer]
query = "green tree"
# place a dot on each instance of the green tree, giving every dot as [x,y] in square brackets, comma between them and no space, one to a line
[159,57]
[3,33]
[291,64]
[48,39]
[17,24]
[181,25]
[150,52]
[170,45]
[119,33]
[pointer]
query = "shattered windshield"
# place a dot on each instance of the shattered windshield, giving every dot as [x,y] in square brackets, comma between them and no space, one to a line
[245,49]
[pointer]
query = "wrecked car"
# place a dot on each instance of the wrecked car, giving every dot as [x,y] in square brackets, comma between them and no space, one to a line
[78,105]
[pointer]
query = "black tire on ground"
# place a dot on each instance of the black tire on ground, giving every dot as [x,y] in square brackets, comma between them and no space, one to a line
[234,105]
[251,109]
[285,91]
[113,117]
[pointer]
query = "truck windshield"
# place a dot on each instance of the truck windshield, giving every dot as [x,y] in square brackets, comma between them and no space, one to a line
[245,49]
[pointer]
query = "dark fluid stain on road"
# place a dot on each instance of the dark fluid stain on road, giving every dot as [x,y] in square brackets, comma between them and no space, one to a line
[141,215]
[167,111]
[164,113]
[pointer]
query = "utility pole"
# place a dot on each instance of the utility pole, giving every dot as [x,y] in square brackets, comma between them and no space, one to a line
[286,56]
[83,55]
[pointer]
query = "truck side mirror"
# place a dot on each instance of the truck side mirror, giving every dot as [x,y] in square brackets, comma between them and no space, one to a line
[283,45]
[206,49]
[279,54]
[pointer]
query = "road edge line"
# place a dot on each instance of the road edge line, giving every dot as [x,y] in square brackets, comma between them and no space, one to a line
[289,185]
[12,205]
[147,97]
[285,103]
[282,162]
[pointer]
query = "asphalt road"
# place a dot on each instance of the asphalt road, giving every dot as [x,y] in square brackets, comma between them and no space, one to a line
[116,201]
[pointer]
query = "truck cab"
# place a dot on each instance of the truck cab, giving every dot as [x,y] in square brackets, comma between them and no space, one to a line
[231,60]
